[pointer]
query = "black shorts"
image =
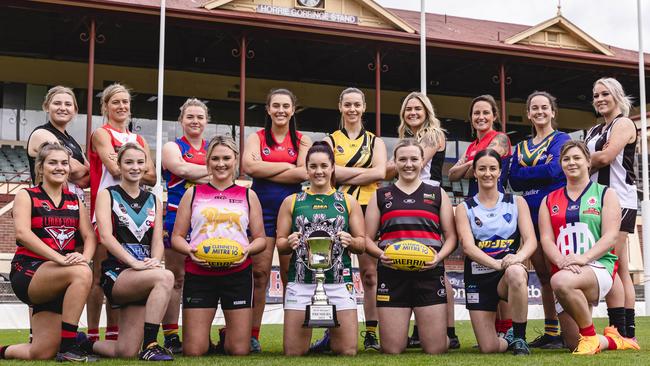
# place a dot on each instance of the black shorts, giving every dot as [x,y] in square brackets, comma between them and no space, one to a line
[481,289]
[23,269]
[403,289]
[235,290]
[110,272]
[628,220]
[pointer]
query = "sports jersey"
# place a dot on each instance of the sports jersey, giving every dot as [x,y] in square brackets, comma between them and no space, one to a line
[432,171]
[100,177]
[619,174]
[480,145]
[320,212]
[218,214]
[56,225]
[176,186]
[64,139]
[495,230]
[577,224]
[413,216]
[535,169]
[133,222]
[356,153]
[271,194]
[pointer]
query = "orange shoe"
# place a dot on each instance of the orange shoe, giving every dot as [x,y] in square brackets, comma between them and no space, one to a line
[621,343]
[588,345]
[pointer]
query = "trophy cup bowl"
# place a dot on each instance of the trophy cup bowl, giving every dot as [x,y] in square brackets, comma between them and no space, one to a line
[320,314]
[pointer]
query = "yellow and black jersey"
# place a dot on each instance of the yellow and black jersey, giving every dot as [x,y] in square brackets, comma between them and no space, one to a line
[355,154]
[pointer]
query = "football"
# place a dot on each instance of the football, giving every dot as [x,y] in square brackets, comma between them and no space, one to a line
[219,252]
[409,255]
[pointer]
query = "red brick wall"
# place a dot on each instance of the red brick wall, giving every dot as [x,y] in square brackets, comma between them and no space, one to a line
[7,234]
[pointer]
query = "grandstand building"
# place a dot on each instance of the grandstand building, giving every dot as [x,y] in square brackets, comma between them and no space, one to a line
[230,53]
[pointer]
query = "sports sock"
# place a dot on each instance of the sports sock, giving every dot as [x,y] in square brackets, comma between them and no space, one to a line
[255,332]
[112,333]
[68,336]
[31,335]
[519,330]
[552,327]
[617,319]
[611,345]
[588,331]
[93,334]
[502,326]
[170,330]
[415,334]
[3,349]
[150,334]
[630,324]
[451,332]
[371,326]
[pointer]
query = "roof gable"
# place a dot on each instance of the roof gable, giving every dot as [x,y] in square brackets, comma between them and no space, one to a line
[558,32]
[364,12]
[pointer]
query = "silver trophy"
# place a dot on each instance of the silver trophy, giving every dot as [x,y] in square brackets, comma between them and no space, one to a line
[320,314]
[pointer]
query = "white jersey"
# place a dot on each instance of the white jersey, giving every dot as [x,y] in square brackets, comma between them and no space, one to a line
[619,174]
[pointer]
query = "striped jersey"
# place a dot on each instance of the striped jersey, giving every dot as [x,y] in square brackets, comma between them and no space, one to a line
[312,213]
[356,153]
[56,225]
[414,216]
[577,224]
[619,174]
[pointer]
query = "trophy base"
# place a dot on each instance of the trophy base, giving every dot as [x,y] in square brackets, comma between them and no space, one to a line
[320,316]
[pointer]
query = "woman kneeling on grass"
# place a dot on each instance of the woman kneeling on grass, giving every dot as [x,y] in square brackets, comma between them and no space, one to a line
[46,272]
[129,221]
[579,225]
[413,210]
[320,210]
[497,237]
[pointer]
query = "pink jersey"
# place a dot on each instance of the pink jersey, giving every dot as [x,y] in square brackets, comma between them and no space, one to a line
[215,214]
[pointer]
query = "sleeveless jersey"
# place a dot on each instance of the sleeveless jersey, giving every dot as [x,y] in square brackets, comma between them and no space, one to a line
[56,226]
[358,154]
[577,224]
[133,222]
[414,216]
[100,177]
[495,230]
[64,139]
[432,171]
[480,145]
[320,212]
[535,169]
[218,214]
[619,174]
[176,186]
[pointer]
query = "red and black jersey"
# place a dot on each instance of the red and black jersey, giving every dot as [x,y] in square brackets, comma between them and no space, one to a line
[56,226]
[414,216]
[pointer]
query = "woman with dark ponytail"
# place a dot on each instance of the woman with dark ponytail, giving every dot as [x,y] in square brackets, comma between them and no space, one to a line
[275,158]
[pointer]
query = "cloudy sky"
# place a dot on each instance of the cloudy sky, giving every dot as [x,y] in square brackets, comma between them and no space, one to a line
[612,22]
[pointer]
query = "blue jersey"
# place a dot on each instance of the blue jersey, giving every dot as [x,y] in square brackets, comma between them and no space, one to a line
[535,169]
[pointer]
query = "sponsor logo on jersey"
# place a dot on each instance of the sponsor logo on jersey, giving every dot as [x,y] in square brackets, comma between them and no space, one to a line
[429,196]
[291,152]
[46,206]
[339,207]
[73,207]
[122,208]
[383,298]
[389,204]
[441,292]
[388,195]
[278,148]
[573,207]
[319,207]
[266,151]
[339,148]
[349,287]
[135,206]
[555,210]
[591,211]
[409,201]
[478,222]
[365,150]
[61,235]
[592,201]
[189,155]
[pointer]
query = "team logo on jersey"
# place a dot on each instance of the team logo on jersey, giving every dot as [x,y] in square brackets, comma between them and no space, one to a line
[266,151]
[46,206]
[478,222]
[61,235]
[291,152]
[575,238]
[349,286]
[122,208]
[507,217]
[555,209]
[338,207]
[339,148]
[592,201]
[388,195]
[429,196]
[365,150]
[215,217]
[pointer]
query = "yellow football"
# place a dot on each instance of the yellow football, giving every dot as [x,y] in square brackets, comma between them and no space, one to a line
[219,252]
[409,255]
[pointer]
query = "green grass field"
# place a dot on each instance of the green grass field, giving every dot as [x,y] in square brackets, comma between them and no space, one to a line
[271,338]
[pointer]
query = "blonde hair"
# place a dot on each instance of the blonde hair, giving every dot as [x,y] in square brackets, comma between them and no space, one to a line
[350,91]
[406,143]
[109,92]
[222,140]
[59,89]
[129,146]
[430,132]
[624,102]
[193,102]
[44,150]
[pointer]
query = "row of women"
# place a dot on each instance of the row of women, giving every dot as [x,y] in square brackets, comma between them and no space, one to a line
[567,223]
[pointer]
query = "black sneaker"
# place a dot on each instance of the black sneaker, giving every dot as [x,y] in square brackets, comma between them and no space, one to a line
[174,345]
[370,341]
[75,354]
[546,341]
[322,345]
[519,347]
[154,352]
[256,347]
[454,342]
[413,342]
